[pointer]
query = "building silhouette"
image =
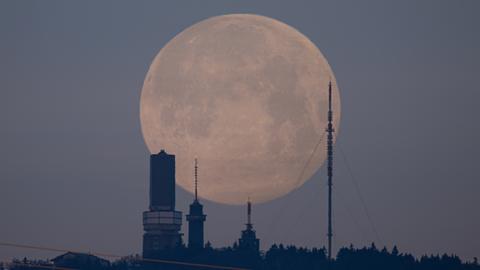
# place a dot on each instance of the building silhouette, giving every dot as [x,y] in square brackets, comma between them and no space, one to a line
[195,219]
[249,241]
[75,260]
[161,223]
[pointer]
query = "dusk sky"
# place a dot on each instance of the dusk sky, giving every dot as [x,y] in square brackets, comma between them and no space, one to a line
[74,166]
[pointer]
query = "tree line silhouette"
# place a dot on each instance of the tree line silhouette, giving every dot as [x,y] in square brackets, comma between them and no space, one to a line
[278,257]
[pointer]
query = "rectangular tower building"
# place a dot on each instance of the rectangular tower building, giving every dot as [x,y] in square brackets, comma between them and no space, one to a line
[161,223]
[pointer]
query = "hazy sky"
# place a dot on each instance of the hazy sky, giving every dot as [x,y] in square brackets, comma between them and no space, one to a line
[74,167]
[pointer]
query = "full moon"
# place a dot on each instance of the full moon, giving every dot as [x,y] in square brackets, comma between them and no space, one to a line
[247,96]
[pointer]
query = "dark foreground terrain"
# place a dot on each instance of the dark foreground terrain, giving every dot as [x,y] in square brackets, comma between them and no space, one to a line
[277,257]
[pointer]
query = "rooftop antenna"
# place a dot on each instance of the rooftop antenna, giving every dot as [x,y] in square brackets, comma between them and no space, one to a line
[196,179]
[330,131]
[249,212]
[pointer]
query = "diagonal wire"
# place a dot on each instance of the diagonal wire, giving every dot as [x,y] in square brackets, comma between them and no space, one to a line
[211,266]
[364,205]
[350,213]
[299,178]
[302,172]
[301,214]
[342,200]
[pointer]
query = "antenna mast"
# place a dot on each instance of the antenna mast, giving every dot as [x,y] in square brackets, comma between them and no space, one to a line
[249,212]
[330,131]
[196,179]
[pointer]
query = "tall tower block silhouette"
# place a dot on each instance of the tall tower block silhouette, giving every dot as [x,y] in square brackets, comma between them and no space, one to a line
[195,219]
[161,223]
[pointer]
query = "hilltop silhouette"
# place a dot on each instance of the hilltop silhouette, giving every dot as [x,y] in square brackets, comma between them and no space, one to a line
[278,257]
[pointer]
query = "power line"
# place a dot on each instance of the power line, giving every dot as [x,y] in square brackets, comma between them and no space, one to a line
[357,188]
[211,266]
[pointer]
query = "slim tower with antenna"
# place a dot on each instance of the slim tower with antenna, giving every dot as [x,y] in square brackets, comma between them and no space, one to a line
[196,218]
[330,131]
[249,241]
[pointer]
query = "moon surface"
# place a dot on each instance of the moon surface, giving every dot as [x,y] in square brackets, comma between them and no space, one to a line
[247,96]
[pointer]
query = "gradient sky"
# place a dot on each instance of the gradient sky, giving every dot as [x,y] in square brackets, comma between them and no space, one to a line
[74,167]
